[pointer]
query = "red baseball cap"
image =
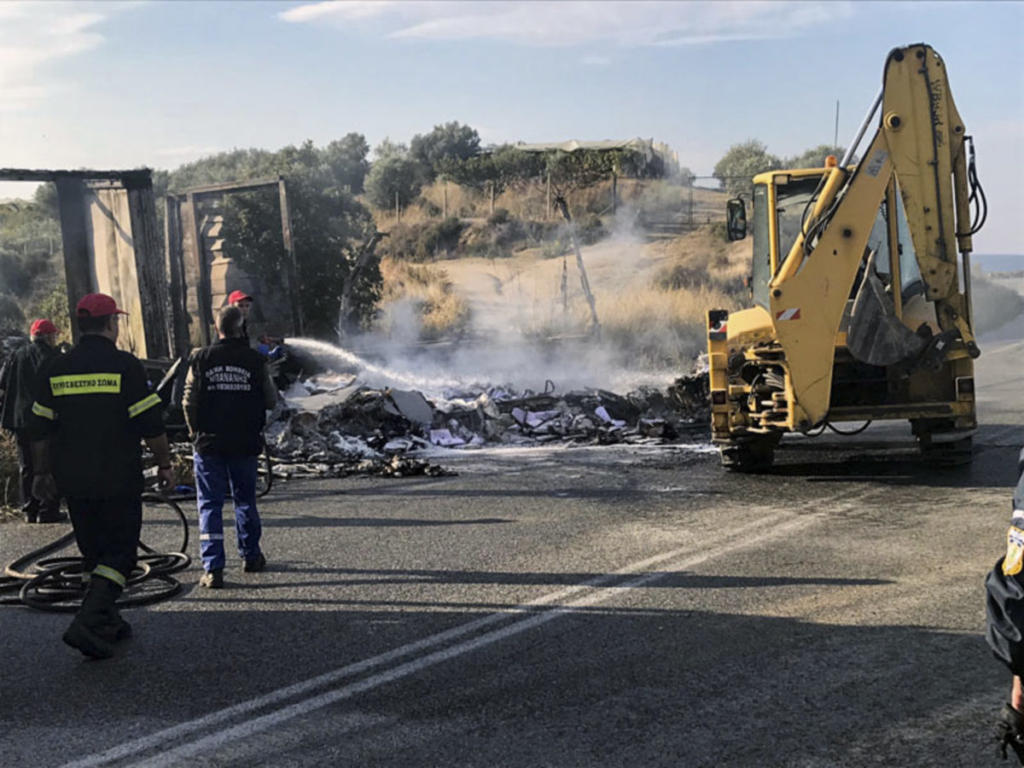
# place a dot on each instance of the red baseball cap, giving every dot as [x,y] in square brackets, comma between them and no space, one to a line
[42,328]
[237,296]
[98,305]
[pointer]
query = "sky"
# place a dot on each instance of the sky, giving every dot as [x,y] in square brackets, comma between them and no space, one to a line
[157,84]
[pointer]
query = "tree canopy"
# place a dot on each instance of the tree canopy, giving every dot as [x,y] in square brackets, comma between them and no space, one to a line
[394,176]
[814,157]
[742,162]
[444,147]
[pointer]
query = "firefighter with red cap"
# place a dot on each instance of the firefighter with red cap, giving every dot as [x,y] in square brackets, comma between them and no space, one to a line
[17,385]
[93,406]
[243,301]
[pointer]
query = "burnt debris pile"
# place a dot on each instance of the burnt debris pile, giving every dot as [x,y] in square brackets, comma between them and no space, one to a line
[330,424]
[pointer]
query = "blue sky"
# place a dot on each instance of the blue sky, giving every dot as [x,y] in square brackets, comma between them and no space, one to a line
[151,83]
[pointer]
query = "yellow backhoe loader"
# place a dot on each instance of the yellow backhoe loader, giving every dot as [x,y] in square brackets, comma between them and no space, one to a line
[860,284]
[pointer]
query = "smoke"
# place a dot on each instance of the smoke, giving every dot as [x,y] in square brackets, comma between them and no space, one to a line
[529,324]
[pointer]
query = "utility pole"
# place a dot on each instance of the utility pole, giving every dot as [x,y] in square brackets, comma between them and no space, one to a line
[835,138]
[547,201]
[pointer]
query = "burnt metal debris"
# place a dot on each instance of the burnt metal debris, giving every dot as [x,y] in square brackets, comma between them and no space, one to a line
[330,425]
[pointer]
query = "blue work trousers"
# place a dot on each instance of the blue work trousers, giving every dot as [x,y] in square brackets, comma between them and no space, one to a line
[215,473]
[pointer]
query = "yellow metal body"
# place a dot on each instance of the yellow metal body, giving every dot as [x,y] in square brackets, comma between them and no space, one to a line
[796,336]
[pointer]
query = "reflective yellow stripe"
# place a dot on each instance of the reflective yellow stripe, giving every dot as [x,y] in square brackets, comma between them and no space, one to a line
[143,405]
[42,410]
[86,384]
[109,573]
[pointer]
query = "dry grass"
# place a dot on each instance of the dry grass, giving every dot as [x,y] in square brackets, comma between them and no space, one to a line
[437,307]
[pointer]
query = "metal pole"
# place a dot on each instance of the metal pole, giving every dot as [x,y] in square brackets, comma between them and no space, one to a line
[860,133]
[835,137]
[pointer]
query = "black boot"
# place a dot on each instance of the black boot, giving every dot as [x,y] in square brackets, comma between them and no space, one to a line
[114,628]
[88,631]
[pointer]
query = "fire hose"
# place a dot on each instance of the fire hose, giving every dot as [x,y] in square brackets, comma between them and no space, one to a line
[58,583]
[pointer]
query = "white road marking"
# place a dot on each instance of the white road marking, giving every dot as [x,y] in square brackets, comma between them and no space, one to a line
[753,531]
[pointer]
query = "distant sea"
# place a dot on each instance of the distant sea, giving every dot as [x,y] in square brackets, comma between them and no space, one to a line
[1000,262]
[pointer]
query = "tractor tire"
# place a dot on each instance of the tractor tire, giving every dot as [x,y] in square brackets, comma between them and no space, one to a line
[751,457]
[953,453]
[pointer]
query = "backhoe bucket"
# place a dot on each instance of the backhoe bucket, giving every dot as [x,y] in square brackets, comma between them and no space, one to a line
[876,336]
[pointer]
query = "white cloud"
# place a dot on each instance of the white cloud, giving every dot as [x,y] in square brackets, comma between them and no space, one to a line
[33,35]
[576,22]
[596,61]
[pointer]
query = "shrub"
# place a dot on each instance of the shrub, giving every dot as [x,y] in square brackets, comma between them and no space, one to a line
[500,216]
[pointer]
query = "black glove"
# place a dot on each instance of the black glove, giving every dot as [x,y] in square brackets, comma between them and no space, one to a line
[1010,731]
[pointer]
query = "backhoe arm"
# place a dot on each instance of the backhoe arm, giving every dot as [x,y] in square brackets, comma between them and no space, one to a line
[920,141]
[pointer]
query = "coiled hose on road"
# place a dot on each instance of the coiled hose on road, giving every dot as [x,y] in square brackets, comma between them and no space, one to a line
[57,583]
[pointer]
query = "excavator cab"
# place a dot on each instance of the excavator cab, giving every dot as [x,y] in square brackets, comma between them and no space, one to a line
[861,301]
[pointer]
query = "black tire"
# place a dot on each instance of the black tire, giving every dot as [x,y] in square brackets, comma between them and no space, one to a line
[750,457]
[952,453]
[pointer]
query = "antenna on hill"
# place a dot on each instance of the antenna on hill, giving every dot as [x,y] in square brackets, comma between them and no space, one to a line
[835,139]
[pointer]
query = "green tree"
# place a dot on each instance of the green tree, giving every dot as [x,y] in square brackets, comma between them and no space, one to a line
[742,162]
[54,307]
[12,319]
[814,157]
[444,147]
[328,226]
[45,197]
[393,178]
[503,166]
[347,159]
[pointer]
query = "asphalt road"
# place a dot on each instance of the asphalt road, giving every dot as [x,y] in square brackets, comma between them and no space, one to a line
[551,607]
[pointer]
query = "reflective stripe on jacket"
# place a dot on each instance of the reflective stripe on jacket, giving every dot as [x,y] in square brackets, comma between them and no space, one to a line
[95,405]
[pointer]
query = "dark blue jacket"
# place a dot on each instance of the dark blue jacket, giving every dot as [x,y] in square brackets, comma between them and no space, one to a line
[1005,589]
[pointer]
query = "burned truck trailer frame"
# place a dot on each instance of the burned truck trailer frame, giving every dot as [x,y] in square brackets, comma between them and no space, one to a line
[110,243]
[193,247]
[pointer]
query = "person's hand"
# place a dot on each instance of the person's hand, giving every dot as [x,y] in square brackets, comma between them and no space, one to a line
[165,478]
[44,487]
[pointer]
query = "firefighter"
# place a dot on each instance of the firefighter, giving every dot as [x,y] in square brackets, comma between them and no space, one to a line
[17,386]
[228,389]
[92,407]
[243,301]
[1005,609]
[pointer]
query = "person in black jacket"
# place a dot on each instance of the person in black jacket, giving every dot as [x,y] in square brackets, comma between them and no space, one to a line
[227,392]
[93,407]
[17,386]
[1005,610]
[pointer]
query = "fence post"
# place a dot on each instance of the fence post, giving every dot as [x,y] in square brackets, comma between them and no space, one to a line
[492,198]
[398,211]
[445,210]
[615,192]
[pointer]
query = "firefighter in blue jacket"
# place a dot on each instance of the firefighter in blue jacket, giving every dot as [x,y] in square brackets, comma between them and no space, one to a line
[228,389]
[1005,609]
[92,408]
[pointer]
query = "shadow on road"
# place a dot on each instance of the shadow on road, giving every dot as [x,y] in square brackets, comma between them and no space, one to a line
[994,465]
[597,687]
[372,522]
[669,580]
